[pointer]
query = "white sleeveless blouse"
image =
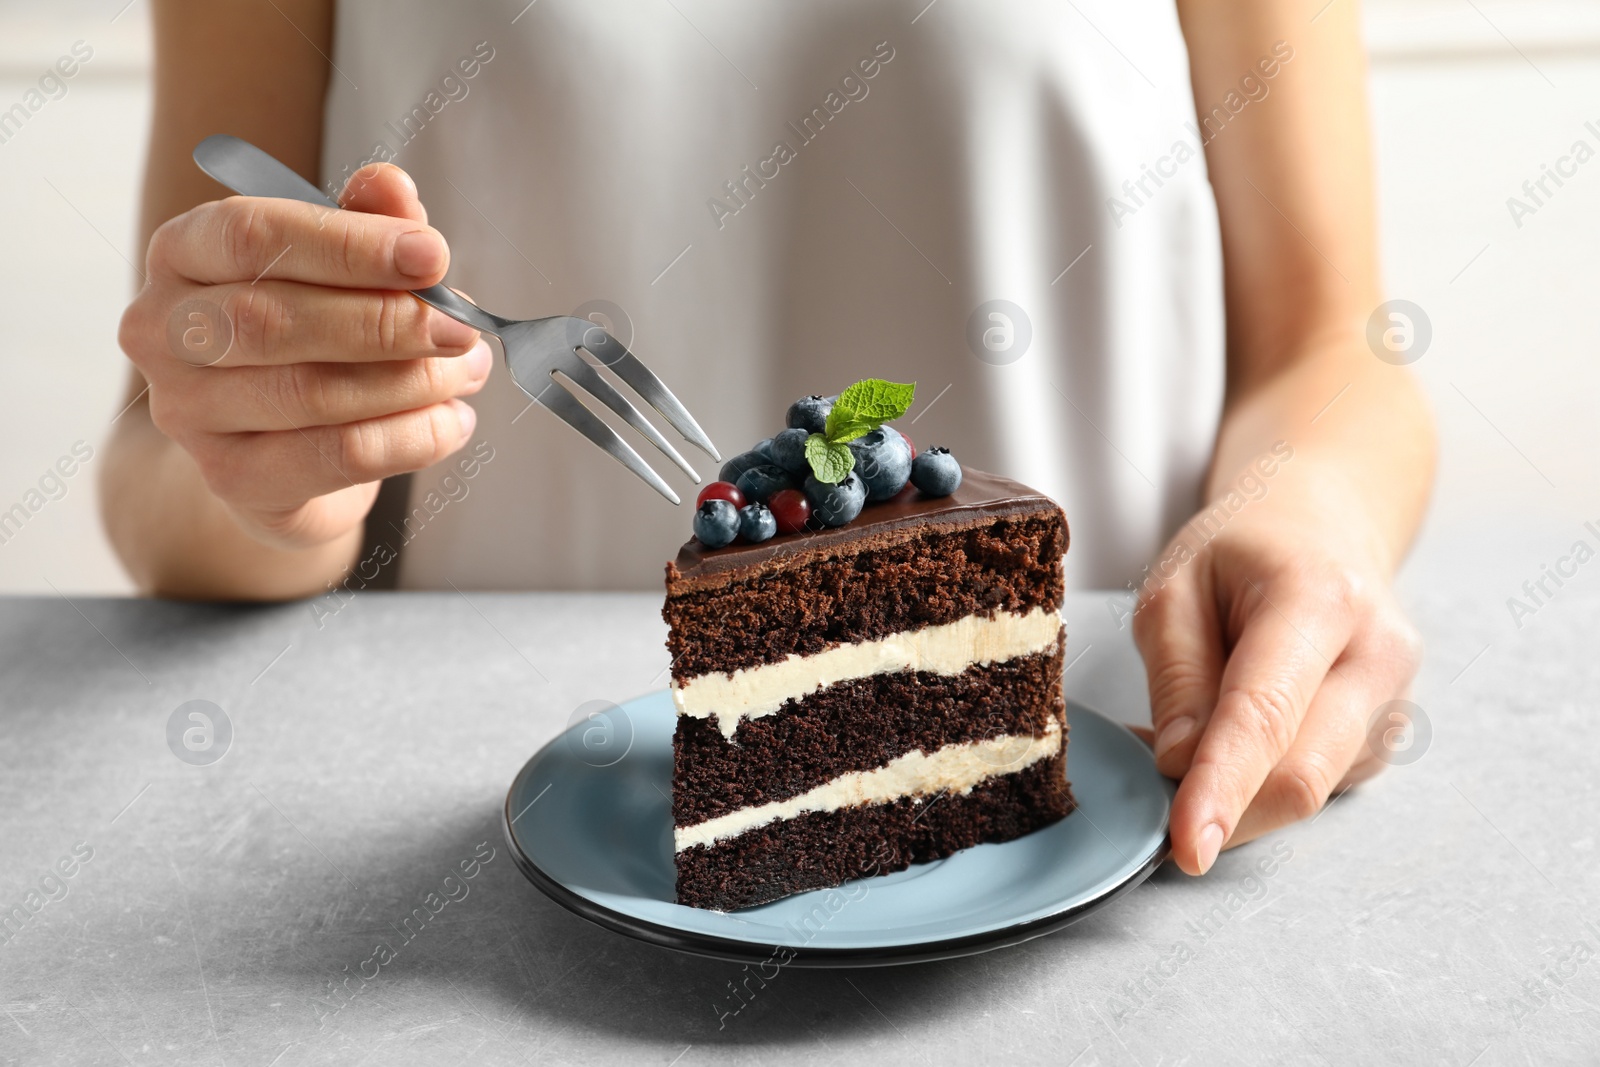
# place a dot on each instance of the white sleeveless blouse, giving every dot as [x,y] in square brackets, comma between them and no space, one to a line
[768,200]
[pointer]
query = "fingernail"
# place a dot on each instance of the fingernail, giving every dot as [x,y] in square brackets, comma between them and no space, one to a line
[469,421]
[479,359]
[1172,734]
[446,332]
[419,254]
[1210,845]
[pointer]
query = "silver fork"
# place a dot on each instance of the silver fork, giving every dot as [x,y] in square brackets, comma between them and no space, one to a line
[537,350]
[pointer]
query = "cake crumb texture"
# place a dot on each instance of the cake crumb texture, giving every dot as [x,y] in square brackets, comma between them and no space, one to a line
[857,725]
[934,578]
[823,849]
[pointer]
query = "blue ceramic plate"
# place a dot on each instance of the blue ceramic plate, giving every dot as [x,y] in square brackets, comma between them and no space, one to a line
[590,823]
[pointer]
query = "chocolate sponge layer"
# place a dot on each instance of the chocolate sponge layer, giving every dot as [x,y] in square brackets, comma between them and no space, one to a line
[881,586]
[858,725]
[822,849]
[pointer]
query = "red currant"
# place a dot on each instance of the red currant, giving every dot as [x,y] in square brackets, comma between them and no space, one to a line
[721,491]
[791,508]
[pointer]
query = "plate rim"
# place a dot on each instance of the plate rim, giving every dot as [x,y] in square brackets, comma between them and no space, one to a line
[735,950]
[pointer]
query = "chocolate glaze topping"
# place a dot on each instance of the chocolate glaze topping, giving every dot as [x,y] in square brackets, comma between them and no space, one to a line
[981,497]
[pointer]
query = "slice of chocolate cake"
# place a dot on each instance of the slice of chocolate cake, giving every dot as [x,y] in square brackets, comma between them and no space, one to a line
[853,700]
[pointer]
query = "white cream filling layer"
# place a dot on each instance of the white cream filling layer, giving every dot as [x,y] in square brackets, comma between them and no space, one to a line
[948,649]
[953,768]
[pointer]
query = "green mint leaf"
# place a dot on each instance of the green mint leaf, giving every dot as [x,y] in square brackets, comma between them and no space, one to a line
[843,432]
[877,399]
[865,406]
[831,461]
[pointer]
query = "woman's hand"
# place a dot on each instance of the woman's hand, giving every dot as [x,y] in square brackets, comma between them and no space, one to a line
[1268,650]
[284,355]
[1271,637]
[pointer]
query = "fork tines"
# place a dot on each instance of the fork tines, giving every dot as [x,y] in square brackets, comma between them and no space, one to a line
[564,368]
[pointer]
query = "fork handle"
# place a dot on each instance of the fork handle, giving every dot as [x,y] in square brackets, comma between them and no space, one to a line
[249,171]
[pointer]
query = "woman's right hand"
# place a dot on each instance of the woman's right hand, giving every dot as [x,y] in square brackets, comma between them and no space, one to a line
[285,356]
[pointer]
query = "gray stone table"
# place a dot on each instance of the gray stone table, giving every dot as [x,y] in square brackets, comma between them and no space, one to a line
[1446,913]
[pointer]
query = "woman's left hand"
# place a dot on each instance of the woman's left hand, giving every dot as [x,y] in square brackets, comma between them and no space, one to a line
[1268,651]
[1270,633]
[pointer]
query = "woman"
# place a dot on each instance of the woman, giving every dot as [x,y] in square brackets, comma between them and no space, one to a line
[785,200]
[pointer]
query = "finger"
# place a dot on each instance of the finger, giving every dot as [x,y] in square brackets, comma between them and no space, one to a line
[1275,669]
[1334,749]
[285,468]
[1331,740]
[1180,638]
[245,238]
[383,189]
[301,395]
[278,322]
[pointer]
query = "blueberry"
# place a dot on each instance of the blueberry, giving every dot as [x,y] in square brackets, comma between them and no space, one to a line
[763,448]
[757,523]
[936,472]
[739,464]
[810,413]
[762,480]
[883,460]
[789,450]
[716,523]
[835,505]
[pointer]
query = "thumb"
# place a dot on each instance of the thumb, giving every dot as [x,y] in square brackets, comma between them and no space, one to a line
[1180,639]
[383,189]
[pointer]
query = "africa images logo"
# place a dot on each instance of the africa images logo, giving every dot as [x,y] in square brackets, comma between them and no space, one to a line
[52,85]
[999,332]
[199,732]
[52,886]
[852,88]
[452,87]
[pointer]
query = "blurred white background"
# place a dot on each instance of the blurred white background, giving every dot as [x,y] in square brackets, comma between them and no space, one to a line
[1470,99]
